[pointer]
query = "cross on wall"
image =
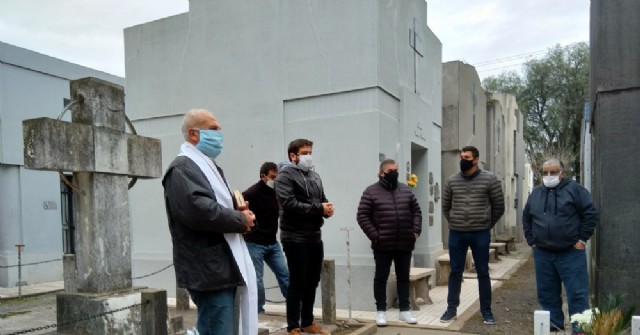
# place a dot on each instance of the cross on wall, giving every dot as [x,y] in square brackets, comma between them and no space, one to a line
[414,38]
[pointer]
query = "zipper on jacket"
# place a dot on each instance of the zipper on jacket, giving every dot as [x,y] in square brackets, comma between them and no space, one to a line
[555,213]
[395,208]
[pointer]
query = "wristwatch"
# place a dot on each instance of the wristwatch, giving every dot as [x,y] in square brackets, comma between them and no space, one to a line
[583,242]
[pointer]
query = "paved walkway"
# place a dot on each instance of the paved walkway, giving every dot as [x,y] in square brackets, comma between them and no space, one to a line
[428,316]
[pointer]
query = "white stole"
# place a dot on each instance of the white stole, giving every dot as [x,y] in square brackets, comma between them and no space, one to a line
[248,323]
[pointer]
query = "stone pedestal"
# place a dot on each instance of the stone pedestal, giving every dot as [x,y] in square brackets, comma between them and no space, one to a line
[73,307]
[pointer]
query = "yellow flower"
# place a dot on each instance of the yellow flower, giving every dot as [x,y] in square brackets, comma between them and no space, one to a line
[413,180]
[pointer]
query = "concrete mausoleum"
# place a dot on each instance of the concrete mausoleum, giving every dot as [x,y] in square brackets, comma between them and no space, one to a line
[506,159]
[363,87]
[492,123]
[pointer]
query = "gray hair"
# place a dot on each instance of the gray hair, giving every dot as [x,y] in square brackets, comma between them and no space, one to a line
[386,162]
[553,161]
[191,119]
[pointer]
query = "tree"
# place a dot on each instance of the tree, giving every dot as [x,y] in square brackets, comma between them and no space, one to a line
[551,94]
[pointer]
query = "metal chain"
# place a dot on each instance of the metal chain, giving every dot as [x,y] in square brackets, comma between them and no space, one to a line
[26,331]
[64,178]
[68,182]
[274,301]
[153,273]
[25,264]
[66,108]
[58,260]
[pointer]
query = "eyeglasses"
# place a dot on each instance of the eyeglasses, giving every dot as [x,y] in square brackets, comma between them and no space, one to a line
[551,173]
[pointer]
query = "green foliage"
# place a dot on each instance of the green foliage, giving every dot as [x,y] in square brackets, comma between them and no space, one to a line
[551,93]
[608,319]
[611,319]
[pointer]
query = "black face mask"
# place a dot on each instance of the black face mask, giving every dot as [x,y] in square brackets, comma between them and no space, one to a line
[390,178]
[465,165]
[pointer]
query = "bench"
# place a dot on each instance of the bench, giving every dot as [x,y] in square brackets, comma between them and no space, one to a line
[510,241]
[492,259]
[500,249]
[418,287]
[445,269]
[493,256]
[468,261]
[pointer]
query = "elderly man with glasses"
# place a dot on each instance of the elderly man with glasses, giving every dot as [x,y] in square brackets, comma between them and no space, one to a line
[558,220]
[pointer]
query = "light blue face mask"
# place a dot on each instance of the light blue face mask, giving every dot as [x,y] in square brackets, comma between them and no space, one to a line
[210,142]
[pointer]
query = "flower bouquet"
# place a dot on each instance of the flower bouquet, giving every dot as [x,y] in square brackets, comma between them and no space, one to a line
[412,181]
[610,319]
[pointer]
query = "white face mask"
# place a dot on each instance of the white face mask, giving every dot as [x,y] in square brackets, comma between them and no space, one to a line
[271,183]
[305,163]
[551,181]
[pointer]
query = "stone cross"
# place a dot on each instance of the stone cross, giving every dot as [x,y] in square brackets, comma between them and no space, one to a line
[101,156]
[413,40]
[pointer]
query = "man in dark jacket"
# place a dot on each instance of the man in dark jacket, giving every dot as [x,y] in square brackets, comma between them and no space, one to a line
[304,206]
[208,250]
[390,216]
[558,220]
[261,242]
[472,202]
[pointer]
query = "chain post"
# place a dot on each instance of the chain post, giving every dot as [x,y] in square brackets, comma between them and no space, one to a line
[348,230]
[20,282]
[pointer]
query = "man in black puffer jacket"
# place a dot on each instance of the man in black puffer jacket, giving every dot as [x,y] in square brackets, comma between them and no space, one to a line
[390,216]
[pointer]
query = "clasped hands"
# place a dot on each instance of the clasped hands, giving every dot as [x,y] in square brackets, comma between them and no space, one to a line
[327,209]
[251,218]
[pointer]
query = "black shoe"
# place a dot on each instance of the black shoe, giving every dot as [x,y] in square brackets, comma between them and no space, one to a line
[489,319]
[448,316]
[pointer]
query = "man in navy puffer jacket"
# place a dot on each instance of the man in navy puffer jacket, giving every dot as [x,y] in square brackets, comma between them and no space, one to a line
[558,220]
[390,216]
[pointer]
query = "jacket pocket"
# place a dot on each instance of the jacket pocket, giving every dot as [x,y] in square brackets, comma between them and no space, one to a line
[219,267]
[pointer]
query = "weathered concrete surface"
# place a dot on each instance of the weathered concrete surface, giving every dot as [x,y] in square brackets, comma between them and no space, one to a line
[72,307]
[101,103]
[70,272]
[58,145]
[328,288]
[615,97]
[47,140]
[103,239]
[154,312]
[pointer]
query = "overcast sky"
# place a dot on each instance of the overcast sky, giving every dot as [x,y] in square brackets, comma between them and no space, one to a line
[90,32]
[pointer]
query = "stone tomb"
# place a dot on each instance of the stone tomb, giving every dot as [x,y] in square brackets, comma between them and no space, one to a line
[102,157]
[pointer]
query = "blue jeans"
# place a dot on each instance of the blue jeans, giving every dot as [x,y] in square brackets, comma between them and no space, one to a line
[305,264]
[402,262]
[215,311]
[459,243]
[554,268]
[272,255]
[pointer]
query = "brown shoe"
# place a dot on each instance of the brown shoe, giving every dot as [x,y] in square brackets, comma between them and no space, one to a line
[294,331]
[313,328]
